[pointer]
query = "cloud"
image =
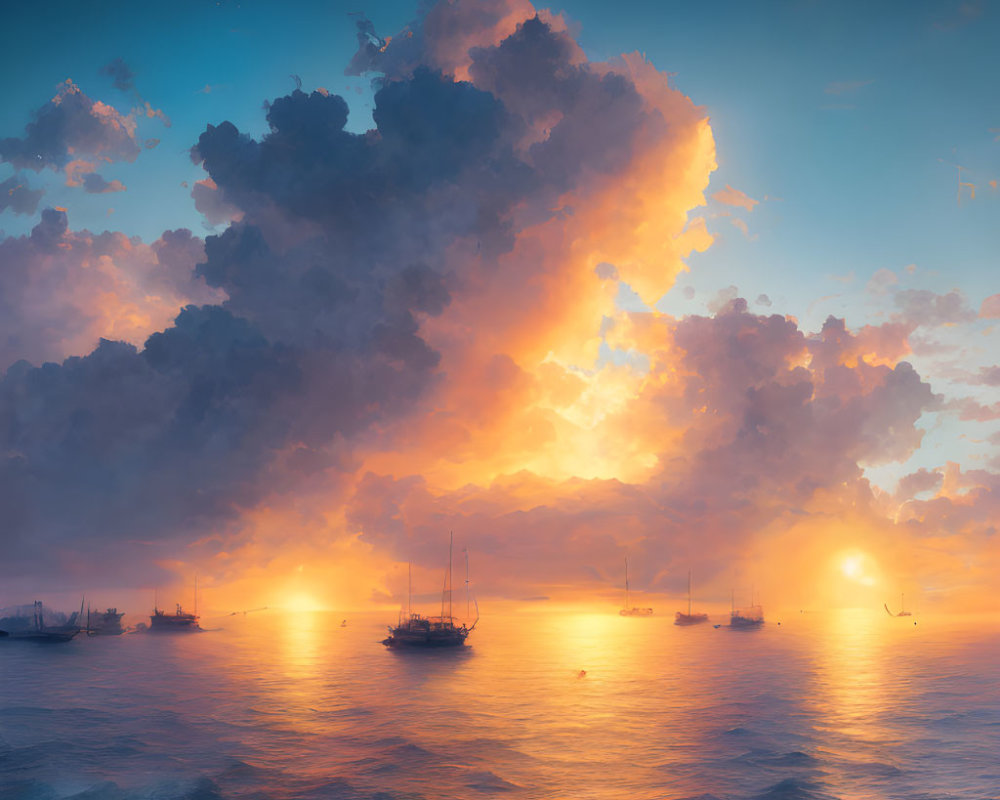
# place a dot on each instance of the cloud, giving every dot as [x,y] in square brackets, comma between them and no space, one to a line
[63,290]
[208,201]
[971,410]
[68,127]
[18,197]
[95,184]
[763,300]
[120,73]
[734,197]
[990,308]
[930,309]
[417,328]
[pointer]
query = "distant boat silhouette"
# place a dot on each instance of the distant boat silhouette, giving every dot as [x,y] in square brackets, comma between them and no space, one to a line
[39,631]
[751,616]
[180,622]
[632,611]
[417,631]
[681,618]
[108,623]
[902,611]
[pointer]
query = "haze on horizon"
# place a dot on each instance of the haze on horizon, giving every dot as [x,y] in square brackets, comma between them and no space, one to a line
[532,293]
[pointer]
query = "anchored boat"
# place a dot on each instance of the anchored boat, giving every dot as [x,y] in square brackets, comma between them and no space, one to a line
[417,631]
[680,618]
[629,610]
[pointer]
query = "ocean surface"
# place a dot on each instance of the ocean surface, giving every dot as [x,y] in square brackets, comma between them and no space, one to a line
[847,704]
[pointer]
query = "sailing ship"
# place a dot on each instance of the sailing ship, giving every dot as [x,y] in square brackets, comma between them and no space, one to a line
[18,628]
[178,622]
[628,610]
[108,623]
[417,631]
[680,618]
[902,611]
[751,616]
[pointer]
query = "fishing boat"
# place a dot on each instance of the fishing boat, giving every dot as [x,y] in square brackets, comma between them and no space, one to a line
[751,616]
[680,618]
[108,623]
[178,622]
[630,610]
[20,629]
[417,631]
[902,611]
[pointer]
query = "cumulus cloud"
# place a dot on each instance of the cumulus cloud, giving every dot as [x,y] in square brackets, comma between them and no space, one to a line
[62,290]
[410,330]
[930,309]
[69,126]
[18,197]
[208,200]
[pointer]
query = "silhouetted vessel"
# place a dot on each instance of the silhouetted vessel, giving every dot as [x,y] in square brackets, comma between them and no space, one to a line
[180,622]
[632,611]
[417,631]
[19,628]
[680,618]
[108,623]
[902,611]
[751,616]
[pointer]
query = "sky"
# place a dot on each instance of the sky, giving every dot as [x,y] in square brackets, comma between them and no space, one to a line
[289,294]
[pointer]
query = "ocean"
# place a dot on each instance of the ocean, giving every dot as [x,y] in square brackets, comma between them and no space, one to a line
[274,706]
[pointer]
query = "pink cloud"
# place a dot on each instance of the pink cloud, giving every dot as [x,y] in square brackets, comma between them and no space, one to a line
[734,197]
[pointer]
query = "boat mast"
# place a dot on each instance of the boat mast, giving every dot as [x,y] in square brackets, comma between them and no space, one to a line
[466,582]
[626,582]
[689,593]
[451,539]
[409,588]
[196,594]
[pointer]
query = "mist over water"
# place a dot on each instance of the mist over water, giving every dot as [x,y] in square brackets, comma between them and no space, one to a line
[845,704]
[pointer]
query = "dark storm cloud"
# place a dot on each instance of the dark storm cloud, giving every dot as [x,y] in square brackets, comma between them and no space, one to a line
[69,126]
[18,197]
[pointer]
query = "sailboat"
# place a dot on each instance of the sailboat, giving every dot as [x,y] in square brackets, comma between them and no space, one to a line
[902,612]
[632,611]
[40,632]
[426,632]
[680,618]
[751,616]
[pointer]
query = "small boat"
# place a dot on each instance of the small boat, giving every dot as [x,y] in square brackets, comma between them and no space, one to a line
[38,631]
[902,611]
[632,611]
[417,631]
[751,616]
[179,622]
[108,623]
[680,618]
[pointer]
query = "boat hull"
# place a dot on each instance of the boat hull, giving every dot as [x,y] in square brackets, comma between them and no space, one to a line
[42,637]
[689,619]
[636,612]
